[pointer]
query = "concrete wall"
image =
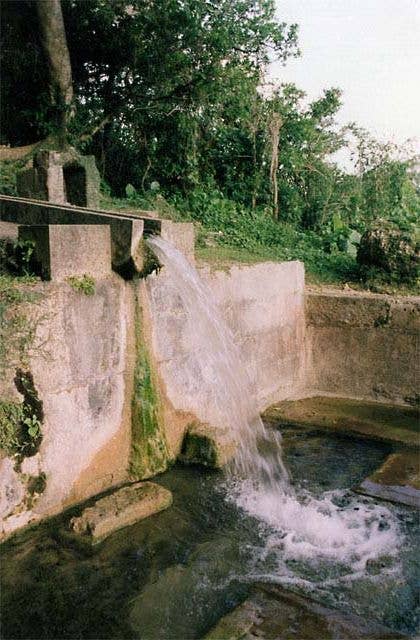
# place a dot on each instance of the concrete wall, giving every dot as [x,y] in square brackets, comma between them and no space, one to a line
[264,305]
[363,346]
[80,358]
[83,356]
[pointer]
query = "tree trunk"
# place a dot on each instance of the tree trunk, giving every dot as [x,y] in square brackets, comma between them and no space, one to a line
[54,41]
[274,128]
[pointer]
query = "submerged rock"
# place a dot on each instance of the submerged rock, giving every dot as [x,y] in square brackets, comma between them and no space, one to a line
[274,612]
[204,445]
[121,509]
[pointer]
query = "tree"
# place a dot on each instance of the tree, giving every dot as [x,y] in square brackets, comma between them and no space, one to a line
[54,41]
[147,77]
[37,91]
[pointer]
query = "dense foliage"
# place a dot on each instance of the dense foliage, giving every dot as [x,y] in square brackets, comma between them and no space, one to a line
[170,97]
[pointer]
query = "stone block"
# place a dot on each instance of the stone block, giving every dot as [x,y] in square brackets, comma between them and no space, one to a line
[8,231]
[121,509]
[204,445]
[62,251]
[180,235]
[61,177]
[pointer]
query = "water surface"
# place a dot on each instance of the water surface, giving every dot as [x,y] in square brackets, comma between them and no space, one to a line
[175,574]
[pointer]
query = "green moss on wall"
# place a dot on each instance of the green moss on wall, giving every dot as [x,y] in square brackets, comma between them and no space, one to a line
[11,418]
[149,452]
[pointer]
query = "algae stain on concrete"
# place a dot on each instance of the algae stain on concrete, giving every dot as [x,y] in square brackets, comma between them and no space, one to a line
[149,451]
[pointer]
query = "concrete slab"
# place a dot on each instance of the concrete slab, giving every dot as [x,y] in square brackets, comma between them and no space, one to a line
[359,418]
[126,232]
[121,508]
[62,251]
[397,480]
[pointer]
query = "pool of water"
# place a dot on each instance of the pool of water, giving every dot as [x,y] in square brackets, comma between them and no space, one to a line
[175,574]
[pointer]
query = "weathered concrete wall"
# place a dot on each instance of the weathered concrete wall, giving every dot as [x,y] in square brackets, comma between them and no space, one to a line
[80,358]
[181,235]
[264,306]
[127,353]
[363,346]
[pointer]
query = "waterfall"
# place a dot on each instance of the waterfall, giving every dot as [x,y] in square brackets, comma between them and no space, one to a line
[223,377]
[304,526]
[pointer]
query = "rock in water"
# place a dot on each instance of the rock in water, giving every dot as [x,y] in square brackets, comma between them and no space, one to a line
[121,508]
[273,612]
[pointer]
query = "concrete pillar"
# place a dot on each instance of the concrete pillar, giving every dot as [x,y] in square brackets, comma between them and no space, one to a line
[61,251]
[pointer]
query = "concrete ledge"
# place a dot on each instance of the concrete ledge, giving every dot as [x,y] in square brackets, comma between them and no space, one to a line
[370,420]
[69,250]
[397,480]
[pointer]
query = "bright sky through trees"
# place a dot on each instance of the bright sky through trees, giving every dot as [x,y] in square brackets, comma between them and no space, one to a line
[368,48]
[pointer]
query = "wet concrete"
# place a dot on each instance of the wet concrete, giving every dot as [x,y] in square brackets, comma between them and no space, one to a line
[362,419]
[397,480]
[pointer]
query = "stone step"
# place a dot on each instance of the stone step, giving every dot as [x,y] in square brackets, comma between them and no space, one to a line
[122,508]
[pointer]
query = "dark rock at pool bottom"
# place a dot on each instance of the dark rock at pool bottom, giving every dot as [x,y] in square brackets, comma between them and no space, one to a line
[274,613]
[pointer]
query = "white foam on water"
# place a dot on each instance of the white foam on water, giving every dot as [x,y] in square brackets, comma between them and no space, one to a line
[316,529]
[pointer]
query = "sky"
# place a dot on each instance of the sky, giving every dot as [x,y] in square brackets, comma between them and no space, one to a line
[368,48]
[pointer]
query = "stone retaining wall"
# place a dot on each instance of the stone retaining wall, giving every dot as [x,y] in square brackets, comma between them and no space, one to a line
[79,356]
[363,346]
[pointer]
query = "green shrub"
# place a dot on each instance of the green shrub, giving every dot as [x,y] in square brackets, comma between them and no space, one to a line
[20,428]
[16,257]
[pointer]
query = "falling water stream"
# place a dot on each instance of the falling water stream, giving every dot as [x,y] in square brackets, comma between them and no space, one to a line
[303,526]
